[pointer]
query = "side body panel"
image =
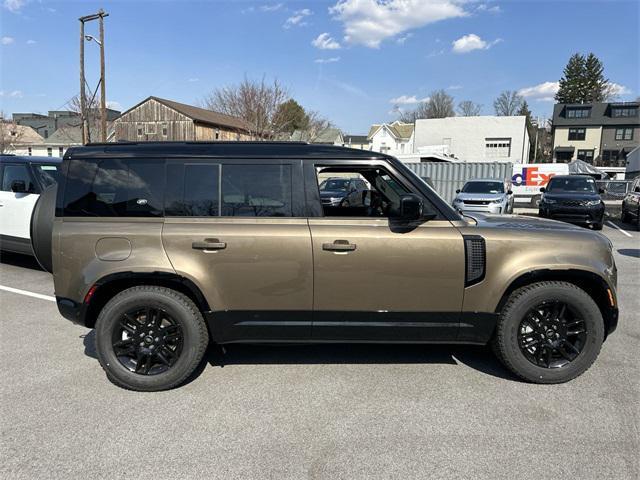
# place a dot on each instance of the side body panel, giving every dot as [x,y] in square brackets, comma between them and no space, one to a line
[88,249]
[259,285]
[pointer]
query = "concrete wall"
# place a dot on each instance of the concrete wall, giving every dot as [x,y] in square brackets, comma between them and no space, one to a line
[467,136]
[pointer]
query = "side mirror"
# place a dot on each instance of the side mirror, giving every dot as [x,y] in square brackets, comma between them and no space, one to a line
[458,191]
[18,186]
[509,192]
[410,207]
[601,190]
[543,189]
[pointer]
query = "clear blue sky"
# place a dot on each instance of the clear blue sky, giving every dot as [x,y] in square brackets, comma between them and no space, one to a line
[347,59]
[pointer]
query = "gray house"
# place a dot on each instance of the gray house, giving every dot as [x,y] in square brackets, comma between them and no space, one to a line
[602,134]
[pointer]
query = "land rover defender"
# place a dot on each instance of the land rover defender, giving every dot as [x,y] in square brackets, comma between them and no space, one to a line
[164,248]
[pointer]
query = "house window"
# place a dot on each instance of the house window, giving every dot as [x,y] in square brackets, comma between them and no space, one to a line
[402,148]
[30,151]
[46,134]
[624,133]
[578,112]
[49,152]
[60,152]
[165,131]
[217,134]
[585,156]
[150,128]
[612,158]
[140,131]
[577,133]
[618,112]
[497,147]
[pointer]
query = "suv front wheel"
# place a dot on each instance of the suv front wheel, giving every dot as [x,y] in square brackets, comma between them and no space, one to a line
[549,332]
[150,338]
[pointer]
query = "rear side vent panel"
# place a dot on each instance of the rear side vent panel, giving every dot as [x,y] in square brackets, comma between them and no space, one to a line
[475,259]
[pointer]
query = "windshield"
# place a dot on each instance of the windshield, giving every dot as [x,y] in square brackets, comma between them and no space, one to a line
[576,184]
[483,187]
[47,174]
[335,185]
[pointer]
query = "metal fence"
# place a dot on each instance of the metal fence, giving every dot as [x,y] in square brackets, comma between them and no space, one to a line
[446,178]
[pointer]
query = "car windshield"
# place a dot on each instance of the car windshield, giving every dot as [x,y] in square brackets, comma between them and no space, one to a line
[47,174]
[483,187]
[576,184]
[335,185]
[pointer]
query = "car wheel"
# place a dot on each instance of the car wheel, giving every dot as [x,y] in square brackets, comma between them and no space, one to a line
[535,201]
[549,332]
[598,226]
[624,216]
[150,338]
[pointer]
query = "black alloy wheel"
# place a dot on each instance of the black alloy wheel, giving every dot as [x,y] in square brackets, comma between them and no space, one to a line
[552,335]
[147,340]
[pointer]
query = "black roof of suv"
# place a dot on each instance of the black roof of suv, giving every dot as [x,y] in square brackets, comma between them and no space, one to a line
[299,150]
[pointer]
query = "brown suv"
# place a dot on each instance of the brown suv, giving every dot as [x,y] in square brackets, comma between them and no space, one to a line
[165,247]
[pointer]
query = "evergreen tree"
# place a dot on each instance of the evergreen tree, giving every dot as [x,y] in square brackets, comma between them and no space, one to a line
[597,88]
[572,84]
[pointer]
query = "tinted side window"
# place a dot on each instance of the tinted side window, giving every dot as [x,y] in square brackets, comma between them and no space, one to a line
[115,188]
[256,190]
[19,173]
[193,190]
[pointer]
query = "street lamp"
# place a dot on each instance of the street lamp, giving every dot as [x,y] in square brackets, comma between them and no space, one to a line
[90,38]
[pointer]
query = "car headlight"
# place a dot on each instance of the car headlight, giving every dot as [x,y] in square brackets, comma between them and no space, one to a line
[593,203]
[457,200]
[498,200]
[548,200]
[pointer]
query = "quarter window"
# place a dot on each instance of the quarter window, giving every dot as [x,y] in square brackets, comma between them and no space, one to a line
[115,188]
[577,133]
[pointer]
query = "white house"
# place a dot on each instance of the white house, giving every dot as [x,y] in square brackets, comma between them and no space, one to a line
[391,138]
[475,139]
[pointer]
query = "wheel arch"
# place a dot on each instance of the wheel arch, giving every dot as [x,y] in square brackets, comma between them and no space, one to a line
[110,285]
[593,284]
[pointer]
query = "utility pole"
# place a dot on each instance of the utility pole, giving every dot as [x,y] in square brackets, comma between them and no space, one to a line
[86,128]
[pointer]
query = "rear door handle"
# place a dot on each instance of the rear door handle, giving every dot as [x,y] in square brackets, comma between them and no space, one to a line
[209,244]
[339,246]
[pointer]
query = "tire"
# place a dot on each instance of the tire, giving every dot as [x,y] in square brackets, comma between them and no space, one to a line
[506,342]
[598,226]
[624,216]
[183,340]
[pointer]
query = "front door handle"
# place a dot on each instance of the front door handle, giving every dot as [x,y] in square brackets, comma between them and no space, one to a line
[209,244]
[339,246]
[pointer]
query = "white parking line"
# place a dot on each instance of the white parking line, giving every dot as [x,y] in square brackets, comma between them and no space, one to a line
[618,228]
[28,294]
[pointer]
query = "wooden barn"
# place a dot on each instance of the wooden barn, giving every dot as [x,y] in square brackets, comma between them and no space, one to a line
[157,119]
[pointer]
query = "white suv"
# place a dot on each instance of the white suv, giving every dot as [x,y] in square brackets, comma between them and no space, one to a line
[21,181]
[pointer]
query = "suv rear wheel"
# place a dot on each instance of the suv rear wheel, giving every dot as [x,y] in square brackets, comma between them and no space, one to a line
[150,338]
[549,332]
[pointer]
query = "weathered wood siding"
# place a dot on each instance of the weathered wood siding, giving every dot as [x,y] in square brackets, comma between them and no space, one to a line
[152,117]
[208,133]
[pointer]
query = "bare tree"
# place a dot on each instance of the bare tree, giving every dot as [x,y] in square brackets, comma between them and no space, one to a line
[507,104]
[316,124]
[438,105]
[467,108]
[257,103]
[92,112]
[10,135]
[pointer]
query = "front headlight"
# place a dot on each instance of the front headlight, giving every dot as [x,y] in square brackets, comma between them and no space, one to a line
[593,203]
[497,200]
[457,200]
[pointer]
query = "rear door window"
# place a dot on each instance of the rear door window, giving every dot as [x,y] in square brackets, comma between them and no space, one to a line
[19,173]
[115,188]
[257,190]
[47,174]
[193,190]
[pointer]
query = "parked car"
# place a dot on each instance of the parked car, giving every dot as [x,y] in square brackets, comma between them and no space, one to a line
[484,195]
[165,247]
[574,199]
[631,204]
[333,191]
[22,180]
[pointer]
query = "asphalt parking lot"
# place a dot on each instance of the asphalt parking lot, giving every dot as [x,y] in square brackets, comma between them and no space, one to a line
[330,412]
